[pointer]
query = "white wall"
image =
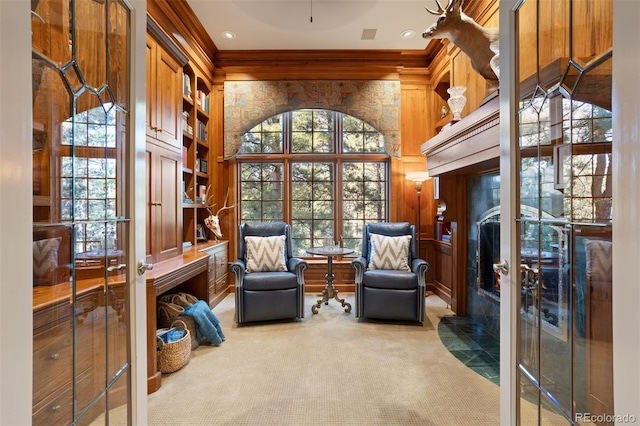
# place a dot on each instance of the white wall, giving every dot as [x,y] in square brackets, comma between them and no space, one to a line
[626,207]
[16,316]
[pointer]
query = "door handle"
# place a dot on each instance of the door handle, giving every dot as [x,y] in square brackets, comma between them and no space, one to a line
[144,266]
[502,267]
[116,267]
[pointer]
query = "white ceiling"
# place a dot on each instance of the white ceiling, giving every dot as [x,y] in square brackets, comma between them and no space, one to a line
[337,24]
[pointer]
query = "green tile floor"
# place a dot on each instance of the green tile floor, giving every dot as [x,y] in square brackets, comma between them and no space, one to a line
[472,345]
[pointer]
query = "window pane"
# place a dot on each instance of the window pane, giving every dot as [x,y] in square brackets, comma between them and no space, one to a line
[272,210]
[312,204]
[352,142]
[360,137]
[312,131]
[373,142]
[261,191]
[364,199]
[266,137]
[251,211]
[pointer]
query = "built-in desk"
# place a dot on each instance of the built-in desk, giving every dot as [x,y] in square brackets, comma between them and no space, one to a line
[192,272]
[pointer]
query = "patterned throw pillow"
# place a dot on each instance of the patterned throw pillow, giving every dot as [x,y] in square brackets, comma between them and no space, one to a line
[45,257]
[599,260]
[266,254]
[390,252]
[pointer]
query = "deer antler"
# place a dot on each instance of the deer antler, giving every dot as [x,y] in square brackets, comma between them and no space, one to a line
[441,10]
[225,207]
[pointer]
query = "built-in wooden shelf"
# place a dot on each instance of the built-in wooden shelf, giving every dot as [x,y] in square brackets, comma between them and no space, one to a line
[443,122]
[474,139]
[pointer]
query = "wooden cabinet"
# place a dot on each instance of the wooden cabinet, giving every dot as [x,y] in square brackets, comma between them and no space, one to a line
[53,360]
[164,80]
[441,276]
[218,270]
[164,231]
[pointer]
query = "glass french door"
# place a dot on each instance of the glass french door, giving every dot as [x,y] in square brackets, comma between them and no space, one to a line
[558,170]
[81,228]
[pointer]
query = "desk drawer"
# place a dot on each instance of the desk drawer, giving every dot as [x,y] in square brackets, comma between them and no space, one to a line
[212,271]
[221,264]
[221,283]
[52,360]
[55,411]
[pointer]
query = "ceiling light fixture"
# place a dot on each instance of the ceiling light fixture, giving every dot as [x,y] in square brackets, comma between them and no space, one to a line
[228,35]
[408,34]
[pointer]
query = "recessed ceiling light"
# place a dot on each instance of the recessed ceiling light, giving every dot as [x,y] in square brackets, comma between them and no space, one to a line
[228,35]
[408,34]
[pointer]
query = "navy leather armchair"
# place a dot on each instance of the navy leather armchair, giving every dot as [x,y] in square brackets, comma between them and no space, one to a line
[390,294]
[268,295]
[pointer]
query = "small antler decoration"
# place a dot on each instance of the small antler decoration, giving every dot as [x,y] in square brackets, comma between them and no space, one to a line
[213,221]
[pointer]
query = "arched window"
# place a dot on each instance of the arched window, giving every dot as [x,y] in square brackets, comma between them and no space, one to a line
[324,172]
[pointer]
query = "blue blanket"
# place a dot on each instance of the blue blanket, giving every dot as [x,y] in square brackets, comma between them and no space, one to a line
[207,323]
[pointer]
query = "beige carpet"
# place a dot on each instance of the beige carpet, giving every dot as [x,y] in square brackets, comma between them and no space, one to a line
[326,369]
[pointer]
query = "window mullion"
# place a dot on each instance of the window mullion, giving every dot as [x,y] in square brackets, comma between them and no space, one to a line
[337,198]
[287,192]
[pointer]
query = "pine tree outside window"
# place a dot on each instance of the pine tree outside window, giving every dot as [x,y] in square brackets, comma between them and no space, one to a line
[323,172]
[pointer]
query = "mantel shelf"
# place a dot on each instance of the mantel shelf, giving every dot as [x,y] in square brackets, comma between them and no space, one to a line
[472,140]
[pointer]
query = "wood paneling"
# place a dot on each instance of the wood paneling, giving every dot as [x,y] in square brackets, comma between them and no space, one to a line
[413,104]
[320,64]
[424,76]
[184,29]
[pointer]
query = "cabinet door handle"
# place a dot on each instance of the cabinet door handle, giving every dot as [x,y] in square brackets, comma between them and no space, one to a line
[54,357]
[116,267]
[56,408]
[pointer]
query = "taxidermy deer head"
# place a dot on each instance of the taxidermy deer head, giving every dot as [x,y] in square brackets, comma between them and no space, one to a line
[473,39]
[213,221]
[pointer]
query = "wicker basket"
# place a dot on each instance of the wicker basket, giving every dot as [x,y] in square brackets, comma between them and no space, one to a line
[169,312]
[173,356]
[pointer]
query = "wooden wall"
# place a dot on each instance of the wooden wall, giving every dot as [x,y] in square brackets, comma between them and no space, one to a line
[423,75]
